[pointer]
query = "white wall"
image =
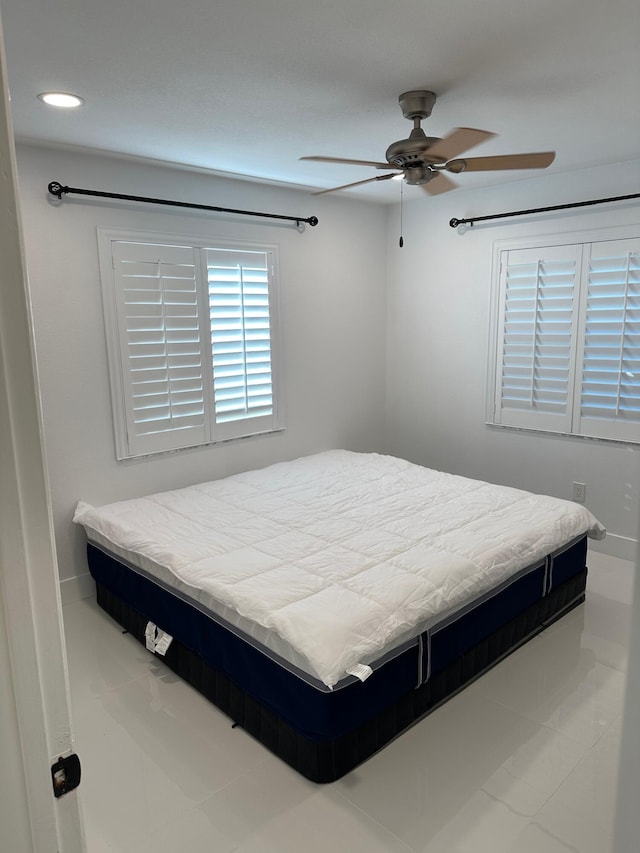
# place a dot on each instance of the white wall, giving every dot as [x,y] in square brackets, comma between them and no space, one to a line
[438,333]
[333,301]
[344,332]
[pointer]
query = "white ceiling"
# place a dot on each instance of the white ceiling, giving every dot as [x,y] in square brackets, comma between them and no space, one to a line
[246,87]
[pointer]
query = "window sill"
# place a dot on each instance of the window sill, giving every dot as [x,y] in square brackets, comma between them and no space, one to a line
[563,435]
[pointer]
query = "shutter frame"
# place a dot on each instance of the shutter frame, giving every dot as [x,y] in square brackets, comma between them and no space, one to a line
[609,388]
[536,338]
[592,245]
[166,331]
[241,306]
[159,338]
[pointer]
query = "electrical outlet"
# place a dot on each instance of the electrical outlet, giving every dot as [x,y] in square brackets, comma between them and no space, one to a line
[580,492]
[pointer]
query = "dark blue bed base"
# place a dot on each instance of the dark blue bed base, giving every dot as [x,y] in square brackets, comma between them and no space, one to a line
[324,734]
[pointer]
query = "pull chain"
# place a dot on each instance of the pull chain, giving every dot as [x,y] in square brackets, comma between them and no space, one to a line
[401,241]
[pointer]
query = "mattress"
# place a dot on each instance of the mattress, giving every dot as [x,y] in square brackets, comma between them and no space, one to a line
[328,588]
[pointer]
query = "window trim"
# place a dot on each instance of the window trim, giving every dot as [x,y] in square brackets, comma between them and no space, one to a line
[496,313]
[112,331]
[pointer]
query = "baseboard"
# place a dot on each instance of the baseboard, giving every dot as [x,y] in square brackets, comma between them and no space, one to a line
[77,588]
[622,547]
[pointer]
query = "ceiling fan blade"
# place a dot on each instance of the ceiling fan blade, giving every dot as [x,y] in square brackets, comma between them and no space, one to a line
[373,163]
[460,139]
[359,183]
[440,184]
[539,160]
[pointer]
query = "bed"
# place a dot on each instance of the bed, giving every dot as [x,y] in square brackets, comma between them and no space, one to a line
[328,603]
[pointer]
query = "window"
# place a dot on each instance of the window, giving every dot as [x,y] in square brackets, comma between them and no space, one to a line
[566,347]
[191,339]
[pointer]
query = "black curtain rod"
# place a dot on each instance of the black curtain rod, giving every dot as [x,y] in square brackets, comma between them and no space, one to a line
[455,222]
[57,189]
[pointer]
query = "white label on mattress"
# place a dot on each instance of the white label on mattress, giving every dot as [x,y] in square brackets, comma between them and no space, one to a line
[162,643]
[150,636]
[361,671]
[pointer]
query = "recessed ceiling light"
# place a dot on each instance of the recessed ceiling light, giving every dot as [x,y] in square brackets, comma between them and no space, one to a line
[61,99]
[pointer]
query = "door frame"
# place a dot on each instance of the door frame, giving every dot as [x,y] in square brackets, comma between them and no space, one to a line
[35,719]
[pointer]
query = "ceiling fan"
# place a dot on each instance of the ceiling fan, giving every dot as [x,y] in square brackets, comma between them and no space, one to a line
[422,160]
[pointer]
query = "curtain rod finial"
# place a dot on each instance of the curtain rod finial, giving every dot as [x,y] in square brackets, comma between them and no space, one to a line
[56,188]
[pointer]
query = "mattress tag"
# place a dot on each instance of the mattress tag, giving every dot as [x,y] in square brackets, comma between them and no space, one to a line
[150,636]
[361,671]
[162,643]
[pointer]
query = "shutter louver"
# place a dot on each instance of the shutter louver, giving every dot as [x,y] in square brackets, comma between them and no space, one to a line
[610,389]
[161,347]
[537,338]
[240,334]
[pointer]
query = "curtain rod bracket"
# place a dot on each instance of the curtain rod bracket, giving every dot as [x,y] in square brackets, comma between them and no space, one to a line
[58,190]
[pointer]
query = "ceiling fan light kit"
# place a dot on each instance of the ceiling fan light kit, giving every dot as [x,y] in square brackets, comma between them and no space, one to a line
[422,160]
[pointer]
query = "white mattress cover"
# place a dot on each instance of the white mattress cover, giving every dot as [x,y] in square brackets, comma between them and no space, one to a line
[334,559]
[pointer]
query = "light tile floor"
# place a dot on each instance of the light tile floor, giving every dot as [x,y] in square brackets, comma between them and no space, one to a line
[522,761]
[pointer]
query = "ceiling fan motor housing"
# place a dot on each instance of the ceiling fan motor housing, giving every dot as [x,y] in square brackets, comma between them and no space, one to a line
[410,152]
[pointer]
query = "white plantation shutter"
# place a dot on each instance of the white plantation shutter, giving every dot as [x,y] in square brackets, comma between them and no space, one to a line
[537,338]
[566,349]
[160,345]
[240,316]
[191,340]
[610,386]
